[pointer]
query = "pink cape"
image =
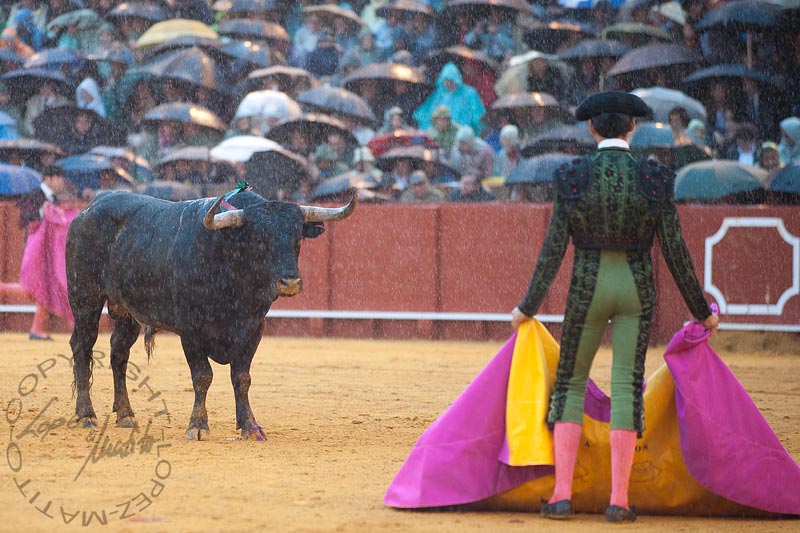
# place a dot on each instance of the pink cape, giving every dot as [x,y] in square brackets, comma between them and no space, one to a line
[43,271]
[727,445]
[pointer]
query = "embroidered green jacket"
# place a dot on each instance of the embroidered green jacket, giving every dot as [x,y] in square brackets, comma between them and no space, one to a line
[610,200]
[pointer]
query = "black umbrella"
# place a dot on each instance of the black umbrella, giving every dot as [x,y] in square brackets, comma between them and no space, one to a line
[173,191]
[595,48]
[728,71]
[661,64]
[279,77]
[636,33]
[16,181]
[273,170]
[316,126]
[138,166]
[56,125]
[343,183]
[264,7]
[480,8]
[458,55]
[573,138]
[149,12]
[337,101]
[741,15]
[28,148]
[257,30]
[209,45]
[420,157]
[187,153]
[191,65]
[328,12]
[787,180]
[550,36]
[385,72]
[187,113]
[405,7]
[24,83]
[7,56]
[249,56]
[538,169]
[87,170]
[53,58]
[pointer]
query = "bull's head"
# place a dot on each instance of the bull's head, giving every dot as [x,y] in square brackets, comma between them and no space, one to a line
[285,244]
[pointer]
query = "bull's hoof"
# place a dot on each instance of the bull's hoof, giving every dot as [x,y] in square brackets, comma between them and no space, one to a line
[87,422]
[197,434]
[254,433]
[127,422]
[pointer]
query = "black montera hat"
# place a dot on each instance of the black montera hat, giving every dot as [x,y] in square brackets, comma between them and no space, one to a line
[611,102]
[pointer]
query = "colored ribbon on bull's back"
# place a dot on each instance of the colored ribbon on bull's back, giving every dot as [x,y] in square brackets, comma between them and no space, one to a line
[706,450]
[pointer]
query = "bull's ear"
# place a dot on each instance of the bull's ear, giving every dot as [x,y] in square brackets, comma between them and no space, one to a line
[313,229]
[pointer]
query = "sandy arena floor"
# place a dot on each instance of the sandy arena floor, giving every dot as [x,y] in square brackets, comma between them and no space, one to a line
[340,415]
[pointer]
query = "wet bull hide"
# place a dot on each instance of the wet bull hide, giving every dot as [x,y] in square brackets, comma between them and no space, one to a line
[186,267]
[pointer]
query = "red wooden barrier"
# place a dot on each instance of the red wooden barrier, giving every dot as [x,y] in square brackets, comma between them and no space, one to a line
[455,271]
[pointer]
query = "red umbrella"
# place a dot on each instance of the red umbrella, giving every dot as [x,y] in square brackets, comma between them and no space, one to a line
[399,138]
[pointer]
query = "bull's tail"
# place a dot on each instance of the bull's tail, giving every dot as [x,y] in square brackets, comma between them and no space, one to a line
[149,341]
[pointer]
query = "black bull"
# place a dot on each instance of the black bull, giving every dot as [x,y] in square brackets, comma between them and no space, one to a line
[184,267]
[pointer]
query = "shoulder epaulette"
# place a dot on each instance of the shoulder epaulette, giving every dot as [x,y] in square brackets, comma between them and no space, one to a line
[655,179]
[572,179]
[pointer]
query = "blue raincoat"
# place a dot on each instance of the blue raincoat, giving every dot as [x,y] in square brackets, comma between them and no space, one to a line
[466,108]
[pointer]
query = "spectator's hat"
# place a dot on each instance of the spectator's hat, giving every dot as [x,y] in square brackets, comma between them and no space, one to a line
[363,154]
[611,102]
[441,111]
[417,177]
[324,153]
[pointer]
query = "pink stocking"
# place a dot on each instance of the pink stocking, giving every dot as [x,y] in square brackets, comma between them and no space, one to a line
[623,445]
[40,317]
[566,438]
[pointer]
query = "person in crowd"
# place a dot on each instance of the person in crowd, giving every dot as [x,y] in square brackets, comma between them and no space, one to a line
[697,133]
[399,177]
[388,31]
[46,97]
[770,161]
[364,162]
[464,102]
[87,96]
[745,147]
[472,154]
[442,130]
[493,35]
[678,121]
[365,51]
[421,36]
[470,190]
[304,40]
[509,156]
[420,190]
[612,237]
[327,163]
[393,119]
[323,60]
[789,146]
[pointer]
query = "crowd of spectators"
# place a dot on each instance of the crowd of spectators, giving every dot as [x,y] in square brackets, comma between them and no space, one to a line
[82,79]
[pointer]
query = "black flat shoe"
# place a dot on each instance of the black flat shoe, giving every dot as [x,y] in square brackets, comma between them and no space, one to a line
[615,513]
[558,510]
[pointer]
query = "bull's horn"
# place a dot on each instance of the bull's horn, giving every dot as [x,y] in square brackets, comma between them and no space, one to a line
[214,220]
[329,214]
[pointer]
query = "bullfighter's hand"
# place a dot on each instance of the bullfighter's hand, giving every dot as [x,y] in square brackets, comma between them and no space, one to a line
[517,318]
[711,323]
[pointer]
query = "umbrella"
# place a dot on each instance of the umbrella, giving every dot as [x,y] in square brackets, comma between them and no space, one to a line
[15,181]
[377,84]
[208,45]
[138,165]
[173,191]
[166,30]
[727,71]
[257,30]
[399,138]
[538,169]
[186,153]
[268,104]
[651,134]
[405,7]
[662,101]
[82,19]
[53,59]
[187,113]
[149,12]
[273,170]
[385,72]
[28,148]
[653,56]
[526,100]
[656,137]
[436,59]
[85,171]
[246,6]
[550,36]
[740,16]
[328,12]
[672,11]
[337,101]
[572,138]
[24,83]
[242,147]
[787,180]
[117,54]
[251,54]
[635,33]
[56,125]
[191,65]
[595,48]
[317,126]
[714,179]
[480,8]
[420,157]
[279,77]
[7,56]
[343,183]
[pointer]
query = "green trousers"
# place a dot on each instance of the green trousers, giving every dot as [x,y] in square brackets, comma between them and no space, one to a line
[607,286]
